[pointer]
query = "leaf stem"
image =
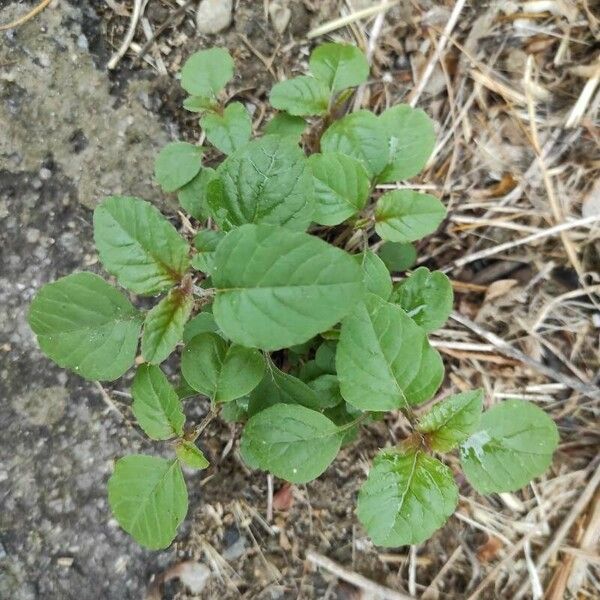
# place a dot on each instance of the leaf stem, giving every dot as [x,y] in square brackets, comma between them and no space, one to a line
[356,421]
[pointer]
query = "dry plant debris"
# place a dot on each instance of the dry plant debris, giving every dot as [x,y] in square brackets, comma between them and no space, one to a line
[514,90]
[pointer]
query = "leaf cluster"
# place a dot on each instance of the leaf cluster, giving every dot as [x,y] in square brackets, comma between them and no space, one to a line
[283,315]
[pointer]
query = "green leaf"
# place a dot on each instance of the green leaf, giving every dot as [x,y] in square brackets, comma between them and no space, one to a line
[407,496]
[228,131]
[156,405]
[199,104]
[428,378]
[341,416]
[163,326]
[327,390]
[189,454]
[360,135]
[398,257]
[86,325]
[342,187]
[177,164]
[193,195]
[276,288]
[376,276]
[235,411]
[221,371]
[427,298]
[206,72]
[300,96]
[325,356]
[379,355]
[138,245]
[293,442]
[407,216]
[206,242]
[452,421]
[513,444]
[339,66]
[411,138]
[284,124]
[148,498]
[201,323]
[278,387]
[266,181]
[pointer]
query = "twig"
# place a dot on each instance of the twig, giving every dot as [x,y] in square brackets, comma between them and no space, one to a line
[563,530]
[355,578]
[438,52]
[26,17]
[461,262]
[138,9]
[351,18]
[584,99]
[174,15]
[412,571]
[432,591]
[507,349]
[269,497]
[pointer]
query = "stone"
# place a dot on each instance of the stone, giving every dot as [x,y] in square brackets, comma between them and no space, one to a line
[213,15]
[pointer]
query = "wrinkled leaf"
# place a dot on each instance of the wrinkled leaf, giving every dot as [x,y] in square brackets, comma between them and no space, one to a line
[206,72]
[138,245]
[291,441]
[300,96]
[221,371]
[84,324]
[177,164]
[156,405]
[360,135]
[228,131]
[206,242]
[266,181]
[407,216]
[407,496]
[513,444]
[276,288]
[342,187]
[427,298]
[163,326]
[452,421]
[339,66]
[411,138]
[148,498]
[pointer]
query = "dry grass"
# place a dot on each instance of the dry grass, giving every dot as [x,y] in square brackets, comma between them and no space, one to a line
[514,90]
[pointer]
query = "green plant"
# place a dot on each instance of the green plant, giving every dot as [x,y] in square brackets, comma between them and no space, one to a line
[304,337]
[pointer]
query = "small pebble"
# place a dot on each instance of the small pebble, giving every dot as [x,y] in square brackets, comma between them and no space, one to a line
[213,15]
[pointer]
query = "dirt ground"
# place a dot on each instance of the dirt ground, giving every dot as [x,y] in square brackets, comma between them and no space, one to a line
[518,154]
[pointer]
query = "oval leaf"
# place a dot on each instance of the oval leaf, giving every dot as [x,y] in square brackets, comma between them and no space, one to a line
[206,242]
[398,257]
[193,195]
[407,216]
[300,96]
[156,405]
[339,66]
[266,181]
[360,135]
[293,442]
[342,187]
[278,387]
[428,377]
[220,371]
[411,137]
[284,124]
[407,496]
[379,355]
[276,288]
[84,324]
[138,245]
[513,444]
[206,72]
[189,454]
[177,164]
[148,498]
[201,323]
[228,131]
[163,327]
[452,421]
[427,298]
[376,276]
